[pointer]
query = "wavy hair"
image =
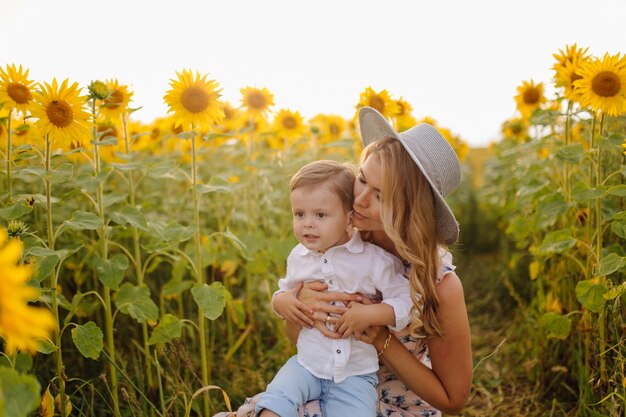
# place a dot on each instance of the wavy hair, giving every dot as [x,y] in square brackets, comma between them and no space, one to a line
[408,217]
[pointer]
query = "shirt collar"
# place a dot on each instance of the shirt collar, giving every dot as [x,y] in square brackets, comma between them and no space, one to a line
[354,245]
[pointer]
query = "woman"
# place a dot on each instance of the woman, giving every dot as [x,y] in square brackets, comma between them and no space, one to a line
[399,205]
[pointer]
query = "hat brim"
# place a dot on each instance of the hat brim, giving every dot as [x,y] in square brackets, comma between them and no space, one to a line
[373,127]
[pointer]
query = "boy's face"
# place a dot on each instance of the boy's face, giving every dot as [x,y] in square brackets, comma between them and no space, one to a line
[319,218]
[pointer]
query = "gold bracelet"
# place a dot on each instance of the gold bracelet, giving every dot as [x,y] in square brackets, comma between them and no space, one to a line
[385,345]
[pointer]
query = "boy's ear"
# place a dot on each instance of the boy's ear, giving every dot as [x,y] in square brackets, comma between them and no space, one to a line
[350,223]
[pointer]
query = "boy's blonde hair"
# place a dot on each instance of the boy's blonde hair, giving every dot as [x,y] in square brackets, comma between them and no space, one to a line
[339,176]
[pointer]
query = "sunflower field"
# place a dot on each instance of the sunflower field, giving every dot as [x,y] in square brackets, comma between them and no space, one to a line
[138,260]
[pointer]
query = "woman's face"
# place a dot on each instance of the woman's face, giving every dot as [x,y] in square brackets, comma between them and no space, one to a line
[367,195]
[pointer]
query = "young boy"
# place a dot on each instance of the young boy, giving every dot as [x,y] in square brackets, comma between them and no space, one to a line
[341,373]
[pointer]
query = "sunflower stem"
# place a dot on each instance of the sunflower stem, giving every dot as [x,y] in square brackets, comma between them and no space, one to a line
[568,120]
[137,256]
[599,243]
[108,316]
[199,275]
[54,280]
[9,158]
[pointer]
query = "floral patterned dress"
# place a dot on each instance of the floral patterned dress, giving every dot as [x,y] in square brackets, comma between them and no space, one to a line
[395,398]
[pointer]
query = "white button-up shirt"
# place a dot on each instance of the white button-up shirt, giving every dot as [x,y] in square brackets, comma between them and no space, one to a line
[355,266]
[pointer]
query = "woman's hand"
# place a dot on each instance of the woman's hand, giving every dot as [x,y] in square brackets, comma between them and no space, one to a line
[374,335]
[313,295]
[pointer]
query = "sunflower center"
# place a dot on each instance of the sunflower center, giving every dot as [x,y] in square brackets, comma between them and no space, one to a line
[19,93]
[334,129]
[289,122]
[377,103]
[606,84]
[114,100]
[256,100]
[531,96]
[195,99]
[60,113]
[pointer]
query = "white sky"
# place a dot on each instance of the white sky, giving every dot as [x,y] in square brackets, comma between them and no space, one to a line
[458,61]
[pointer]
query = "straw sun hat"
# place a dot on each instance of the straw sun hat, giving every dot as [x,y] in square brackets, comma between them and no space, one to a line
[432,154]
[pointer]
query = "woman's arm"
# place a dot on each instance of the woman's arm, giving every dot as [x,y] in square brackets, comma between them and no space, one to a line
[447,386]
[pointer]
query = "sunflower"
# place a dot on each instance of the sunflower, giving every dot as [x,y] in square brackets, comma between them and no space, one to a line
[21,325]
[529,98]
[117,101]
[603,84]
[404,119]
[16,90]
[328,127]
[61,114]
[380,101]
[256,100]
[516,129]
[194,101]
[289,124]
[233,118]
[573,55]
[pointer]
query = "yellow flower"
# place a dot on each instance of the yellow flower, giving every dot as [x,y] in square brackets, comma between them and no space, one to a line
[233,118]
[256,100]
[529,98]
[567,69]
[21,325]
[404,119]
[16,90]
[603,84]
[516,128]
[572,55]
[117,102]
[380,101]
[289,124]
[328,127]
[61,114]
[194,101]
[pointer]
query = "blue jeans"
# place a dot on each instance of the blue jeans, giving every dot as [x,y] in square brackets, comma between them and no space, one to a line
[293,386]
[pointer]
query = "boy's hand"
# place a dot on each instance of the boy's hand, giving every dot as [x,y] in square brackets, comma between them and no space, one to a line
[354,321]
[287,305]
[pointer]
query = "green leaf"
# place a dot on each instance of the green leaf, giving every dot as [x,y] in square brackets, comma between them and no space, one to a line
[187,135]
[234,240]
[557,242]
[619,228]
[45,266]
[615,292]
[175,286]
[206,188]
[611,263]
[23,362]
[590,294]
[82,220]
[556,325]
[88,339]
[618,190]
[128,166]
[571,154]
[111,271]
[582,194]
[129,215]
[15,211]
[46,347]
[549,210]
[113,198]
[519,228]
[163,169]
[168,329]
[211,299]
[136,302]
[19,394]
[62,174]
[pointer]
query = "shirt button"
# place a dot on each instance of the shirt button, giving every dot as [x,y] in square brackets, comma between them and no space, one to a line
[325,260]
[330,282]
[338,351]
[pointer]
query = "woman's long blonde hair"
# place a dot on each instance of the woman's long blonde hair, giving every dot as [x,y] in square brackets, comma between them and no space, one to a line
[408,217]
